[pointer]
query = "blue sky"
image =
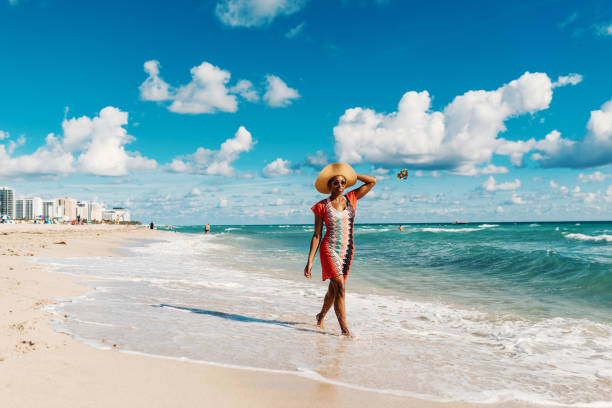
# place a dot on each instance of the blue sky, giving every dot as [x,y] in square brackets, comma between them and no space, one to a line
[223,111]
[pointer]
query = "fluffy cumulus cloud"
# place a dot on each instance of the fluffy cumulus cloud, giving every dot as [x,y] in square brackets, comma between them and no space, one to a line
[317,160]
[278,94]
[245,89]
[210,91]
[206,93]
[253,13]
[517,200]
[595,177]
[278,167]
[461,137]
[88,145]
[571,79]
[215,162]
[154,88]
[491,185]
[594,149]
[4,135]
[477,171]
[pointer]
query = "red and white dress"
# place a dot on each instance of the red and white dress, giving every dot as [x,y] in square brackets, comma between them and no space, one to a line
[337,247]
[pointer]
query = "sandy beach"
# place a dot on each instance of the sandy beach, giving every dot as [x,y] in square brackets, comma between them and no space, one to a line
[43,368]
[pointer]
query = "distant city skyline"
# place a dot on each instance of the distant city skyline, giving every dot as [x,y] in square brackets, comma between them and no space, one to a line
[64,209]
[224,111]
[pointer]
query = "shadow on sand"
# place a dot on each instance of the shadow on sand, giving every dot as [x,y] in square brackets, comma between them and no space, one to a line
[241,318]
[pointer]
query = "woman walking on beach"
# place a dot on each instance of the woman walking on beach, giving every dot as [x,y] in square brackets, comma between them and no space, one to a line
[337,248]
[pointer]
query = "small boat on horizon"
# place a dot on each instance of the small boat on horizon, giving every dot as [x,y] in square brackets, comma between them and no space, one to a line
[460,223]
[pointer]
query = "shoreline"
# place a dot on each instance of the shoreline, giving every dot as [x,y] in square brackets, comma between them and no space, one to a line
[42,367]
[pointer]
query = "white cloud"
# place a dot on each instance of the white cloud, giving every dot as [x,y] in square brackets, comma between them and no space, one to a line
[477,171]
[317,160]
[215,162]
[461,137]
[222,202]
[515,150]
[603,29]
[278,167]
[210,92]
[245,89]
[278,94]
[154,88]
[195,192]
[206,93]
[597,176]
[97,143]
[553,184]
[4,135]
[595,149]
[295,31]
[253,13]
[517,200]
[571,79]
[105,138]
[499,209]
[491,185]
[608,196]
[381,171]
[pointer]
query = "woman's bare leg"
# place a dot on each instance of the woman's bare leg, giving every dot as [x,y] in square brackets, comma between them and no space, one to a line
[328,301]
[339,307]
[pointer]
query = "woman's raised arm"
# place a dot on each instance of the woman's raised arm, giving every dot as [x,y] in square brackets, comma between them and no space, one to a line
[365,188]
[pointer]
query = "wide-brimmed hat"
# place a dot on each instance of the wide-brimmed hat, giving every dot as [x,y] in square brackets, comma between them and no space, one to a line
[332,170]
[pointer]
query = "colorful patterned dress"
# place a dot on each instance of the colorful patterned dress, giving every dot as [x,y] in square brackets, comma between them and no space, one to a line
[337,247]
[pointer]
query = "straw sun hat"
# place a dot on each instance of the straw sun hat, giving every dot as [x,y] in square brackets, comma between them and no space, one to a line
[332,170]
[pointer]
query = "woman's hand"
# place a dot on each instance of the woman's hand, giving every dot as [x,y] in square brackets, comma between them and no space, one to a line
[307,270]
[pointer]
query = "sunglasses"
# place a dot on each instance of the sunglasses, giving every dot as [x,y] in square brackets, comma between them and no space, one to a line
[339,182]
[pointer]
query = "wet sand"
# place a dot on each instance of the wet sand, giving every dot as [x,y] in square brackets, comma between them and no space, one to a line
[43,368]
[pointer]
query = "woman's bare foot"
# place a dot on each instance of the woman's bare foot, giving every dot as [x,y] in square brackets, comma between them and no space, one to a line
[320,318]
[346,333]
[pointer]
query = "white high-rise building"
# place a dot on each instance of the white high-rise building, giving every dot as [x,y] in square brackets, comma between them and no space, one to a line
[52,210]
[82,211]
[116,215]
[69,205]
[95,211]
[19,209]
[7,201]
[32,208]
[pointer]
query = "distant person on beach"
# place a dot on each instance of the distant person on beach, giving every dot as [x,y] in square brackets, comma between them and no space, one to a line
[401,228]
[207,229]
[151,225]
[337,247]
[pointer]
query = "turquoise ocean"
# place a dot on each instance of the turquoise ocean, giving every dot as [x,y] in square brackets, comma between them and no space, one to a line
[483,312]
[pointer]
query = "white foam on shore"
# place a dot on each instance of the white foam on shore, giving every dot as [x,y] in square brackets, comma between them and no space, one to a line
[485,397]
[192,298]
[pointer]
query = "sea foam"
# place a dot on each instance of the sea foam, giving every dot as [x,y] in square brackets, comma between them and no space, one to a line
[203,299]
